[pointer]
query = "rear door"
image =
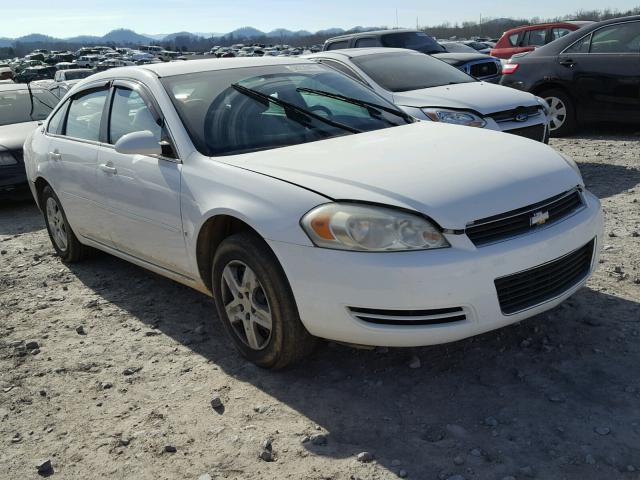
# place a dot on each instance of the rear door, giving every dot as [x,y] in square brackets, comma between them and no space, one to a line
[73,153]
[143,191]
[604,70]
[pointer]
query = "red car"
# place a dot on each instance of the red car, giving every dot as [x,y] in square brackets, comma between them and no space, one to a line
[528,37]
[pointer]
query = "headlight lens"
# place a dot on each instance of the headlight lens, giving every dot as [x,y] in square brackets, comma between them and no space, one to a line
[457,118]
[346,226]
[572,163]
[7,158]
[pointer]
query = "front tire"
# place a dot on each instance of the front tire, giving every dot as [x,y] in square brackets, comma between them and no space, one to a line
[562,113]
[255,303]
[64,241]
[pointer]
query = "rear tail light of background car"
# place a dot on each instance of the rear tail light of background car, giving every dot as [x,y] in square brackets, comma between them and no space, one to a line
[509,68]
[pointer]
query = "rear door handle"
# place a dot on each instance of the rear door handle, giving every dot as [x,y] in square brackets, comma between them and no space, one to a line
[55,156]
[108,169]
[567,62]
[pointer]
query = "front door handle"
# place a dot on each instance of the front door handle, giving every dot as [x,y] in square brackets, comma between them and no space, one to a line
[567,62]
[55,156]
[105,167]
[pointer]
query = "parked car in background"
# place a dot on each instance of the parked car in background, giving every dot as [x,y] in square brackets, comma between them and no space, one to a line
[479,47]
[457,47]
[6,73]
[482,67]
[432,90]
[530,37]
[88,61]
[21,109]
[590,75]
[60,89]
[30,74]
[72,74]
[308,206]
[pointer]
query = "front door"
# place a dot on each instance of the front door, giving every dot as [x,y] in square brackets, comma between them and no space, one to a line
[605,71]
[143,191]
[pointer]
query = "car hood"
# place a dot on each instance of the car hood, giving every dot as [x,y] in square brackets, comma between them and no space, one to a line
[451,173]
[484,98]
[12,136]
[457,59]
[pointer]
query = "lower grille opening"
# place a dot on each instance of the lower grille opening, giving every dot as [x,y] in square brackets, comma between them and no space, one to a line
[537,285]
[434,316]
[534,132]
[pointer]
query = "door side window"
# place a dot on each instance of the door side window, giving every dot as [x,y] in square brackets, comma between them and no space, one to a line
[85,115]
[513,39]
[622,38]
[55,124]
[368,42]
[535,38]
[557,33]
[338,45]
[130,113]
[343,69]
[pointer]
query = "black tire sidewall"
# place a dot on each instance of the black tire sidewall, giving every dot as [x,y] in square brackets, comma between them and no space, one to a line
[256,255]
[75,250]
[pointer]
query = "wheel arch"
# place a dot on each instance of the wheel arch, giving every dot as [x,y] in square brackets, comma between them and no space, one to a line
[40,184]
[211,234]
[551,85]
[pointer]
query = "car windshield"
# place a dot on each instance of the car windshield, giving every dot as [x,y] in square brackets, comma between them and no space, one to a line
[401,72]
[418,41]
[228,112]
[16,106]
[77,74]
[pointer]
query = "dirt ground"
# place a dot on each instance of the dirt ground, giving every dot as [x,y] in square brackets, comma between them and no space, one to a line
[119,381]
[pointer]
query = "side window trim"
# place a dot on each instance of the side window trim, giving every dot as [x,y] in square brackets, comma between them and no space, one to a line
[60,128]
[593,32]
[153,107]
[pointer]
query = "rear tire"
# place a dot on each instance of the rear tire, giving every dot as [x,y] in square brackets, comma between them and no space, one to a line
[562,112]
[64,241]
[255,303]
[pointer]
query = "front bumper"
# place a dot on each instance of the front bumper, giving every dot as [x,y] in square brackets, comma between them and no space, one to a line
[326,283]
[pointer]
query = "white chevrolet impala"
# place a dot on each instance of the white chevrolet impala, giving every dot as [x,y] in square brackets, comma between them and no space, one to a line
[308,206]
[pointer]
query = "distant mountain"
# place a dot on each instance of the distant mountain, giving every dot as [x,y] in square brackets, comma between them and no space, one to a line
[284,33]
[245,33]
[36,37]
[331,31]
[126,36]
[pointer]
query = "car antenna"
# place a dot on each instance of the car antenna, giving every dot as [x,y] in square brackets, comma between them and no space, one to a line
[30,98]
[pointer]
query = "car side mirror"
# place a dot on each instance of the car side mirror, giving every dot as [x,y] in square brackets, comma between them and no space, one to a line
[139,143]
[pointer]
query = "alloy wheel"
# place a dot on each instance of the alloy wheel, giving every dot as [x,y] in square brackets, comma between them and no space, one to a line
[56,224]
[246,305]
[557,112]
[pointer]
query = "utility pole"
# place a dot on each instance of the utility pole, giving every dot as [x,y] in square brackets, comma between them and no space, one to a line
[417,24]
[480,26]
[397,19]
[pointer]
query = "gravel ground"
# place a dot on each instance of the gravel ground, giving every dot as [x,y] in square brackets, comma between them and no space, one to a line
[108,371]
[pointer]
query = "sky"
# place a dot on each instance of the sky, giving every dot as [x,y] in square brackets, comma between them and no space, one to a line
[66,18]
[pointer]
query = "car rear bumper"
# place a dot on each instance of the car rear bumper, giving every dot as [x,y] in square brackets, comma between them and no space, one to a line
[13,181]
[454,286]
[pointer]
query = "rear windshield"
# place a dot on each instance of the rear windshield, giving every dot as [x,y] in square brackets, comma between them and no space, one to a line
[401,72]
[418,41]
[16,106]
[223,120]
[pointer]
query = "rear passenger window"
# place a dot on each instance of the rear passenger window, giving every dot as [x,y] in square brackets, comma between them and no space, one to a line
[85,114]
[338,45]
[535,38]
[513,39]
[368,42]
[130,113]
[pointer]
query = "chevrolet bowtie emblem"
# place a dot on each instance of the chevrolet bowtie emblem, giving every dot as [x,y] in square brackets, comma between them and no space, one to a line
[539,218]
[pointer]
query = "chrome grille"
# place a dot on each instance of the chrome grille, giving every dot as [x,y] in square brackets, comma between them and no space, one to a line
[517,222]
[537,285]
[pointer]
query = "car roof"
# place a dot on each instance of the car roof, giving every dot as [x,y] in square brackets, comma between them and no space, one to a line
[373,33]
[577,23]
[8,87]
[195,66]
[360,52]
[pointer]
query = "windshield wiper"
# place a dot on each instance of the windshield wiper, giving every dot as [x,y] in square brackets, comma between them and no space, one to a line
[371,107]
[301,115]
[33,97]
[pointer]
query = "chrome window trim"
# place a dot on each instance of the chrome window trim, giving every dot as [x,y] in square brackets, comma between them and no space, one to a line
[594,31]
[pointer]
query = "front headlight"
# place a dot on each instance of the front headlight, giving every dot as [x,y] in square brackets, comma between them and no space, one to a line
[7,158]
[346,226]
[452,116]
[572,163]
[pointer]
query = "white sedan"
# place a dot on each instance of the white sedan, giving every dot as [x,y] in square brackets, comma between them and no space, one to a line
[430,89]
[308,206]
